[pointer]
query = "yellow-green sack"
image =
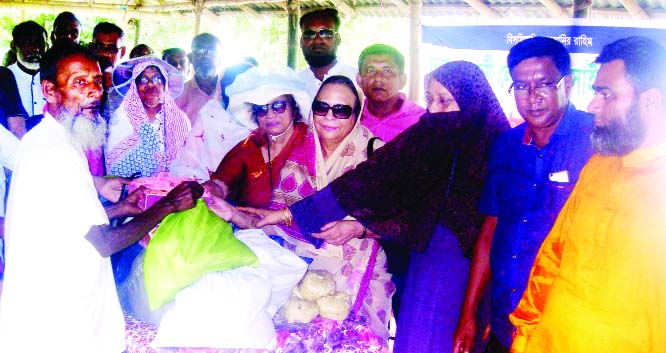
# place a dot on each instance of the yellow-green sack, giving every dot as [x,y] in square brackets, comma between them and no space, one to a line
[186,246]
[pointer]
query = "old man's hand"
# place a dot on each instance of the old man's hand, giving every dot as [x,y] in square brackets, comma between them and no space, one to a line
[183,196]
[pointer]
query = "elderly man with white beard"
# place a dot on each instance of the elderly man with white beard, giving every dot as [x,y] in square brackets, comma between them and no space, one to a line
[59,293]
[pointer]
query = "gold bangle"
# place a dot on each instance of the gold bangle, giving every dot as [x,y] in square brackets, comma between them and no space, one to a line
[288,218]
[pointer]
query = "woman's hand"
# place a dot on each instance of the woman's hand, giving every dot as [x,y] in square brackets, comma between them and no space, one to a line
[340,232]
[221,208]
[268,217]
[217,188]
[463,337]
[110,188]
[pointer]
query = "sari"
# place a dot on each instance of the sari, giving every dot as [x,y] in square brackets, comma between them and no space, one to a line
[359,266]
[135,145]
[243,169]
[246,173]
[421,190]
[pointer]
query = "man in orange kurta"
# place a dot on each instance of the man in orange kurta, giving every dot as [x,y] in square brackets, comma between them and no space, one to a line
[598,283]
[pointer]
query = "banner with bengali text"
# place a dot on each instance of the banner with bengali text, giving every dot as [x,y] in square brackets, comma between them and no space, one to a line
[488,45]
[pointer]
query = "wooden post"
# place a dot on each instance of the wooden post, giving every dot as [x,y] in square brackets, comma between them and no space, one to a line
[414,45]
[294,14]
[136,23]
[582,8]
[198,12]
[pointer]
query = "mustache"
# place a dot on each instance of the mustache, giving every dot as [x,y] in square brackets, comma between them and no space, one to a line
[86,133]
[36,57]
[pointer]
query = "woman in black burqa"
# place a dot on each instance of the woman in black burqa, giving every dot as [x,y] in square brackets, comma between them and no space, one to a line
[419,190]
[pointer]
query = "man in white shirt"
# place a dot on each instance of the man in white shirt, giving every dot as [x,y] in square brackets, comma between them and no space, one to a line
[206,57]
[319,42]
[29,43]
[59,293]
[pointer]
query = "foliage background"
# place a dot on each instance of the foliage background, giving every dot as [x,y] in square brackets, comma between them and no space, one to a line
[241,35]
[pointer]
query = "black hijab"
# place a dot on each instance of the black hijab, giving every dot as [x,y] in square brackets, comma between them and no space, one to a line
[432,172]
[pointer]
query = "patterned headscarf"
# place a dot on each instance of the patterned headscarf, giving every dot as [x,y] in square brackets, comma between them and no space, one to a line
[138,152]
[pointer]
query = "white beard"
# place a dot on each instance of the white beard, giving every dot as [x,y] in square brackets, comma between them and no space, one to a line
[28,65]
[86,134]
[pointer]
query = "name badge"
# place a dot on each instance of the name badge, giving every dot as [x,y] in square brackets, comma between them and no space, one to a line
[559,177]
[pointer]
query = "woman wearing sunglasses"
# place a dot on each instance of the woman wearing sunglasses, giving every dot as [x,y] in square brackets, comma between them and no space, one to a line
[275,101]
[419,190]
[336,144]
[148,130]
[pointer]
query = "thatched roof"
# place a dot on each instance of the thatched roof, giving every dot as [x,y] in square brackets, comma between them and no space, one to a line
[625,9]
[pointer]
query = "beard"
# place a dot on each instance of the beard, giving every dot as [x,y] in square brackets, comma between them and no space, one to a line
[319,60]
[86,134]
[30,61]
[205,68]
[620,136]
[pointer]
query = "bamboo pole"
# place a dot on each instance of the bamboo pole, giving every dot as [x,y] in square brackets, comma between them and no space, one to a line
[582,8]
[294,14]
[198,12]
[414,45]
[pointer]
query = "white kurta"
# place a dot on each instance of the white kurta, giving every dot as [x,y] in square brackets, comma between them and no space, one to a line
[59,293]
[313,83]
[8,146]
[30,90]
[214,133]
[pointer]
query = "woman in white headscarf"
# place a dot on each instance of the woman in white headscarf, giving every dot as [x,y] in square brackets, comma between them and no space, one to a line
[276,101]
[148,130]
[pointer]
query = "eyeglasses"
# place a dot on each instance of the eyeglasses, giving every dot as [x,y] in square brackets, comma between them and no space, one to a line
[340,111]
[443,102]
[324,33]
[261,111]
[522,90]
[156,80]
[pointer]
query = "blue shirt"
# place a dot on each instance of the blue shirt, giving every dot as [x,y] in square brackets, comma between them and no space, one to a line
[526,189]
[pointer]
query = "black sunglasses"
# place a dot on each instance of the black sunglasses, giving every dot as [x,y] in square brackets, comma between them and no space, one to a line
[324,33]
[340,111]
[260,111]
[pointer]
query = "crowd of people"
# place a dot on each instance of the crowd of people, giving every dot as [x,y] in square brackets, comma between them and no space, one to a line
[477,237]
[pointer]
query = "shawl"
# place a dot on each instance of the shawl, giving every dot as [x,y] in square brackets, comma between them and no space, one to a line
[354,264]
[305,170]
[399,192]
[137,152]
